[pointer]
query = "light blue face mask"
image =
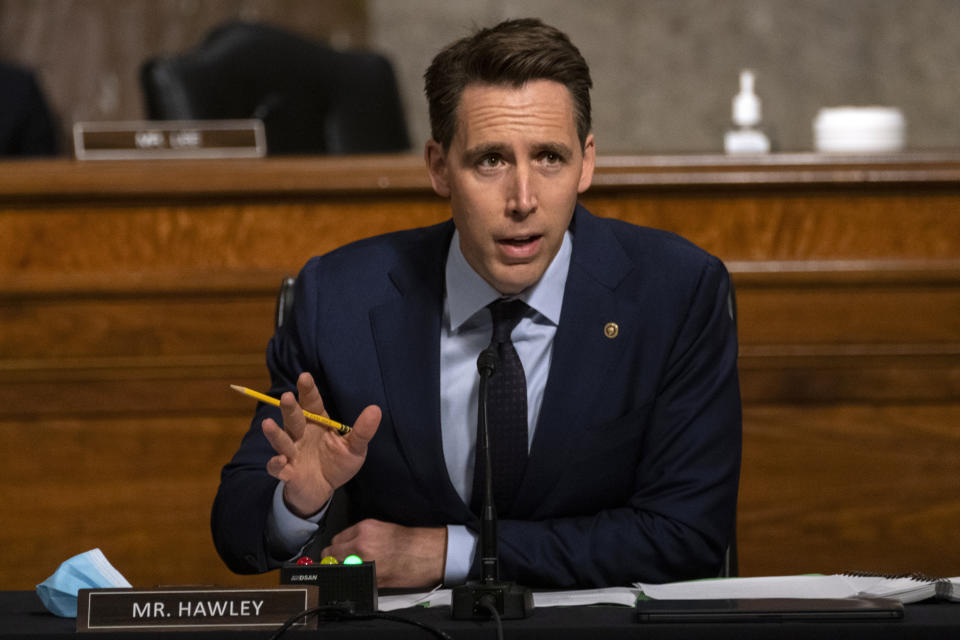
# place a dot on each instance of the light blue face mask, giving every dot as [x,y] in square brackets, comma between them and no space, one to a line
[88,570]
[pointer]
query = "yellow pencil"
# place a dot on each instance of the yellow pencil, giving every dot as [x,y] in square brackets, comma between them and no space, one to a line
[342,429]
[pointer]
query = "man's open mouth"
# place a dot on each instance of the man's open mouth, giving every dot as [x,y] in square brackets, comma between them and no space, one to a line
[519,241]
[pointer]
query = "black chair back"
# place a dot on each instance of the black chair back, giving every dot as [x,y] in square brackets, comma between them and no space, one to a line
[311,98]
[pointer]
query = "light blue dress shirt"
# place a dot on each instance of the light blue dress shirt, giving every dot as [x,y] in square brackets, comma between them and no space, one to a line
[466,330]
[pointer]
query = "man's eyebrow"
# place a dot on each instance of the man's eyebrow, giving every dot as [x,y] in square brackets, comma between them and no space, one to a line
[557,148]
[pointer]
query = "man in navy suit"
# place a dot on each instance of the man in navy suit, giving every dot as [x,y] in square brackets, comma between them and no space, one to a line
[628,347]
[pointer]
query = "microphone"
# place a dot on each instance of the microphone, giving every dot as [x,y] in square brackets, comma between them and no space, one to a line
[489,561]
[487,363]
[474,600]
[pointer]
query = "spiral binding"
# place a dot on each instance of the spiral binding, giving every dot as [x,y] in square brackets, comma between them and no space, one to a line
[915,575]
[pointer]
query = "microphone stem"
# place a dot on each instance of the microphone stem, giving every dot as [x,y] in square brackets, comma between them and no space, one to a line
[489,564]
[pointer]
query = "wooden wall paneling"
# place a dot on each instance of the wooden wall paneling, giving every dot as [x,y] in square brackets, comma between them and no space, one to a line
[882,315]
[133,328]
[849,487]
[872,334]
[132,294]
[137,486]
[204,241]
[797,223]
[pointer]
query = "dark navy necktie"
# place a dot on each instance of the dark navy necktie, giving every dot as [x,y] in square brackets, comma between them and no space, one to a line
[506,413]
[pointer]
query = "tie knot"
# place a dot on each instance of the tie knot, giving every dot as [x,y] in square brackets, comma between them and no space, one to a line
[506,314]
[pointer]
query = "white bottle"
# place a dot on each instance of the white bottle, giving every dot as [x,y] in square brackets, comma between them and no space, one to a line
[746,138]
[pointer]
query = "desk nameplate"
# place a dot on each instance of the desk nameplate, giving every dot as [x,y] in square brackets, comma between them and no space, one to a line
[189,608]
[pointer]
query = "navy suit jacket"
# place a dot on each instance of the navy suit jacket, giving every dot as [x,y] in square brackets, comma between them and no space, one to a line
[634,467]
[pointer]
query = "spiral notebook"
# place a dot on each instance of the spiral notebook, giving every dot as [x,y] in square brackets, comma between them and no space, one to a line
[904,588]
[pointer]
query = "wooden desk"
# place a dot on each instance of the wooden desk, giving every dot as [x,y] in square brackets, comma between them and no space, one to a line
[132,294]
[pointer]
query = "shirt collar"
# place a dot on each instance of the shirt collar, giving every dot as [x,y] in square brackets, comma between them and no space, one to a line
[467,293]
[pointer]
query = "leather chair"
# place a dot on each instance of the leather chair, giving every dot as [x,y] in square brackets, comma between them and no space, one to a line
[730,567]
[312,99]
[27,127]
[284,305]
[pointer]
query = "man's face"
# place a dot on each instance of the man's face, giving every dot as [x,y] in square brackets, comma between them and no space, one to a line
[512,173]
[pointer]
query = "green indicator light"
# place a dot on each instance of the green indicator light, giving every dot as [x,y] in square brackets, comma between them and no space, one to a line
[352,560]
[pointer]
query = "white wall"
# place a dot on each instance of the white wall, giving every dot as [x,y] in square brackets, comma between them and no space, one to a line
[665,70]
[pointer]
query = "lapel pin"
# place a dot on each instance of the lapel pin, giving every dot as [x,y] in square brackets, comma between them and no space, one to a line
[611,330]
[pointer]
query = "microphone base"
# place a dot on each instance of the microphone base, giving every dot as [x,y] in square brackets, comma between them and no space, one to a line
[510,600]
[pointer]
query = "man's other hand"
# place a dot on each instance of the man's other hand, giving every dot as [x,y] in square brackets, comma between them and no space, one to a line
[312,459]
[406,557]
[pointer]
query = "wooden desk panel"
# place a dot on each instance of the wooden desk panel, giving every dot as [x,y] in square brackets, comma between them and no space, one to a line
[138,487]
[131,294]
[832,488]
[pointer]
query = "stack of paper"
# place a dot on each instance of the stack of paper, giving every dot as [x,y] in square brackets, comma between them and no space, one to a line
[904,589]
[441,597]
[949,589]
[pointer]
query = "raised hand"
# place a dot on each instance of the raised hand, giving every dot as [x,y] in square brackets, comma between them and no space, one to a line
[313,460]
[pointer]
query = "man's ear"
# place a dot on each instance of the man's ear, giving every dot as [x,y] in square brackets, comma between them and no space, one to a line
[437,168]
[589,161]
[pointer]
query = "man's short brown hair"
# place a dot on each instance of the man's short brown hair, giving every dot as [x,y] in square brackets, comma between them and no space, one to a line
[511,53]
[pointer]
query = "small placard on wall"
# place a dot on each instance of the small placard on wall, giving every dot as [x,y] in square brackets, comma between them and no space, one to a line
[151,139]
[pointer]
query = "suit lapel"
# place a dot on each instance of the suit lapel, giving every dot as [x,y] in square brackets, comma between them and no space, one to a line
[406,333]
[582,355]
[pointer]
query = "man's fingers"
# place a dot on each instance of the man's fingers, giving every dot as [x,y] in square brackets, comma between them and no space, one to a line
[294,421]
[278,438]
[309,394]
[364,429]
[346,535]
[345,542]
[276,466]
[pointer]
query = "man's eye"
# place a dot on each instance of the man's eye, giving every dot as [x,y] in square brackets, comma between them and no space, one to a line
[550,157]
[489,161]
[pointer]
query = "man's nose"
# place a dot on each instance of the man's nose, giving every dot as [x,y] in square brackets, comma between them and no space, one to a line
[523,198]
